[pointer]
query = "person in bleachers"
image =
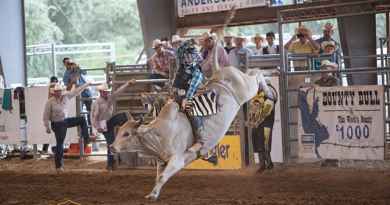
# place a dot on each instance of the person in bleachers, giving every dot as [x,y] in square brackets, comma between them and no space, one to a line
[258,48]
[328,79]
[271,47]
[237,56]
[228,42]
[302,43]
[160,61]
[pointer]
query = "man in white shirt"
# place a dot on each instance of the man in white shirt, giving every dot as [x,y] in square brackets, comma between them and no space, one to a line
[103,119]
[271,48]
[258,48]
[237,56]
[56,112]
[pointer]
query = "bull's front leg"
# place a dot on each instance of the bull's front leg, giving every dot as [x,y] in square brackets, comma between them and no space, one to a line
[160,167]
[175,164]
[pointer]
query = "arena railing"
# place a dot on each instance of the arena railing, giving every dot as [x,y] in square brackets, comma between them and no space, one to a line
[272,64]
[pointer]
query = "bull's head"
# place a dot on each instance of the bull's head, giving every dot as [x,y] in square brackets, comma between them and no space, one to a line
[125,139]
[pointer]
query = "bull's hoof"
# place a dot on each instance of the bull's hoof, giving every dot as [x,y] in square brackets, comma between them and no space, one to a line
[152,196]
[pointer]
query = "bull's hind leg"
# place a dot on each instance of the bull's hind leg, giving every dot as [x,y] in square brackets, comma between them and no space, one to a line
[175,164]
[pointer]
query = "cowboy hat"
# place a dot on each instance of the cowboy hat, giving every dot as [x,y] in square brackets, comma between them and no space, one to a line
[328,27]
[240,36]
[56,87]
[257,36]
[228,35]
[103,87]
[327,64]
[156,43]
[176,38]
[327,43]
[207,35]
[303,30]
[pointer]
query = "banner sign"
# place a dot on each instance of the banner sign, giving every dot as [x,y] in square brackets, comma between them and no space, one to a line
[189,7]
[36,98]
[228,152]
[341,122]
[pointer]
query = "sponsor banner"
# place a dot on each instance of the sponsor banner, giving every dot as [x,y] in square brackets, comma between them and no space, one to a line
[228,152]
[36,98]
[9,122]
[189,7]
[341,122]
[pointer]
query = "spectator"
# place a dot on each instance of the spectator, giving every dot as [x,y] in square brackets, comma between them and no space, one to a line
[75,76]
[161,61]
[304,45]
[209,42]
[328,31]
[271,48]
[237,56]
[176,42]
[228,40]
[56,113]
[104,120]
[328,79]
[258,49]
[328,49]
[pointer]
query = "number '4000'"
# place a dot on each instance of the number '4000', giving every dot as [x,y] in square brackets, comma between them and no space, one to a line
[351,132]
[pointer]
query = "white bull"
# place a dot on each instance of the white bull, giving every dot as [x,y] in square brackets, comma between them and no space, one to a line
[168,137]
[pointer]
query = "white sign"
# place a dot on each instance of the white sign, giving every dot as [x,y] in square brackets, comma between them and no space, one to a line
[341,122]
[277,147]
[9,122]
[36,98]
[189,7]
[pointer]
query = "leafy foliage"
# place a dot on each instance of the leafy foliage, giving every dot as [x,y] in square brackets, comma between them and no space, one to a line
[82,21]
[116,21]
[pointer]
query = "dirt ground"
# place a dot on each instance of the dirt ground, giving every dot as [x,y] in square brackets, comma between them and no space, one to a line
[35,182]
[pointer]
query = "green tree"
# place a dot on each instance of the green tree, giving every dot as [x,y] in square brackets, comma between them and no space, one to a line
[40,30]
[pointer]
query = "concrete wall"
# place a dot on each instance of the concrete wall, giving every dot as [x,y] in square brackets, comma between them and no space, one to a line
[12,41]
[157,20]
[358,38]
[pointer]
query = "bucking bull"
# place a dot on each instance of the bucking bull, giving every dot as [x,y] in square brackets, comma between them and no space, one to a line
[168,137]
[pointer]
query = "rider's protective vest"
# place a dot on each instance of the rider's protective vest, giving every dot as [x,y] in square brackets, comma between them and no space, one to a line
[189,60]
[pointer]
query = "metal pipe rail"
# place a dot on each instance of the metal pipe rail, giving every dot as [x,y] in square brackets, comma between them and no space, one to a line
[344,71]
[142,81]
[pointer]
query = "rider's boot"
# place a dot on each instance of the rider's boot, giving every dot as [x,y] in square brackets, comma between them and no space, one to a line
[268,160]
[261,163]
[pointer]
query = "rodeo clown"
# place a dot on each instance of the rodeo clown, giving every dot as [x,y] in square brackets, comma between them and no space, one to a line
[188,78]
[103,119]
[56,112]
[261,120]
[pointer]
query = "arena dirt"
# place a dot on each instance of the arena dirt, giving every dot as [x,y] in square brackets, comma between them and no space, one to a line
[35,182]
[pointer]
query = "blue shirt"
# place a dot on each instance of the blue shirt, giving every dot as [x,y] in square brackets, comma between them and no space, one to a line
[69,74]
